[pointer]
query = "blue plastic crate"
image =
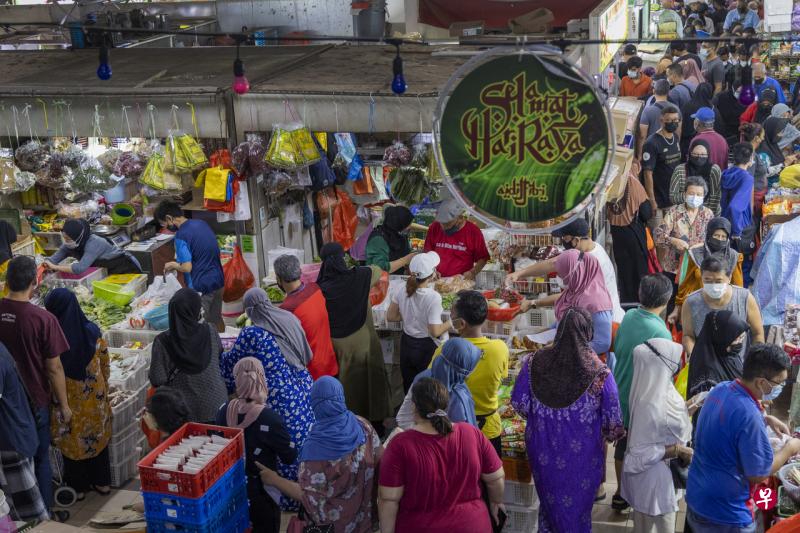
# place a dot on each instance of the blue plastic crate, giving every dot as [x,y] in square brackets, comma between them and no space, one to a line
[197,511]
[234,519]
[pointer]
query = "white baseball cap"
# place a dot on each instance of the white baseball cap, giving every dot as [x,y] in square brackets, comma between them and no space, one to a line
[424,265]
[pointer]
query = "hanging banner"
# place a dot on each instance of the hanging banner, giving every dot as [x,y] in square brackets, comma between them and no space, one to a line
[522,138]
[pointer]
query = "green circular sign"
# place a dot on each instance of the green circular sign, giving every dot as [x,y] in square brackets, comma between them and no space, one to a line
[523,139]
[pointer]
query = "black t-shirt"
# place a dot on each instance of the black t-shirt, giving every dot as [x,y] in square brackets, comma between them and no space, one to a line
[661,156]
[693,57]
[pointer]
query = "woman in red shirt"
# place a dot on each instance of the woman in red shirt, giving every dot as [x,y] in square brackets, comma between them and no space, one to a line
[430,474]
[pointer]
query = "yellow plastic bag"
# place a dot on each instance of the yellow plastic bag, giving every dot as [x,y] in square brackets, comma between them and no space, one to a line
[682,381]
[790,177]
[214,182]
[183,153]
[153,174]
[291,146]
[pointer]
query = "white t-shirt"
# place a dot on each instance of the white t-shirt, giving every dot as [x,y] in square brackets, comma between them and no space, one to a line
[420,309]
[610,277]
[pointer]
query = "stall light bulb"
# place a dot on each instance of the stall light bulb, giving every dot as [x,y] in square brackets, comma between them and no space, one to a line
[747,95]
[240,83]
[398,82]
[104,70]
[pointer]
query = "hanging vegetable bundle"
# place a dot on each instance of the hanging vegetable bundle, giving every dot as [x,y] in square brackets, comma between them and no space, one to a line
[410,184]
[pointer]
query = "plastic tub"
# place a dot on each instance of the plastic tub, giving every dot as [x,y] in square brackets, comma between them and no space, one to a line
[122,214]
[501,315]
[158,318]
[112,293]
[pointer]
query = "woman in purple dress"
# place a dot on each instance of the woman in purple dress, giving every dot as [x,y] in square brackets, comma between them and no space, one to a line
[570,401]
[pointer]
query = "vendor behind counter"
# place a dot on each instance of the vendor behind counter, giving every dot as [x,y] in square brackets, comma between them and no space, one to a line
[459,242]
[388,246]
[91,251]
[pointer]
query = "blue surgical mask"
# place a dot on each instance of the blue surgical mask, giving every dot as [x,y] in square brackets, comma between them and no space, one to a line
[773,394]
[71,245]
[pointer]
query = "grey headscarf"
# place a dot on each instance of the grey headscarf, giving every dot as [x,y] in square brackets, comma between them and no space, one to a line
[283,325]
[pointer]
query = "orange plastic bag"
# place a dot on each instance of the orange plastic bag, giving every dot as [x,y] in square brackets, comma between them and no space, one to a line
[364,185]
[378,291]
[238,277]
[345,221]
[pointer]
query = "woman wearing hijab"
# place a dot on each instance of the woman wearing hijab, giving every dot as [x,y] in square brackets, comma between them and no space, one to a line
[278,342]
[265,439]
[769,152]
[91,251]
[718,353]
[702,97]
[760,110]
[659,430]
[570,401]
[361,369]
[730,110]
[627,216]
[692,74]
[456,362]
[388,246]
[84,443]
[337,464]
[697,164]
[717,242]
[186,357]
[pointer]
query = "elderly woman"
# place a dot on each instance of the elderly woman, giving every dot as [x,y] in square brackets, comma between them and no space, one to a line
[659,430]
[84,442]
[337,464]
[361,369]
[431,475]
[278,342]
[186,357]
[684,224]
[265,439]
[698,165]
[570,401]
[456,362]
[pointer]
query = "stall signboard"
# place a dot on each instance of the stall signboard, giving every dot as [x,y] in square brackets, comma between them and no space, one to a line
[523,139]
[612,25]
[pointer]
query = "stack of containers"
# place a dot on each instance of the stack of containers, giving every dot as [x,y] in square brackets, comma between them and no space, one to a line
[128,442]
[194,482]
[522,507]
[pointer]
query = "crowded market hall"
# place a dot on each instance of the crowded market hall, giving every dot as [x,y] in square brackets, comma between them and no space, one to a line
[539,272]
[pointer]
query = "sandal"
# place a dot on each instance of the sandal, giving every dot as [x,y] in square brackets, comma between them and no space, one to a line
[100,492]
[618,503]
[600,497]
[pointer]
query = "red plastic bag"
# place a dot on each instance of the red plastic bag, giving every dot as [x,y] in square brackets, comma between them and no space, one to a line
[238,277]
[378,291]
[345,221]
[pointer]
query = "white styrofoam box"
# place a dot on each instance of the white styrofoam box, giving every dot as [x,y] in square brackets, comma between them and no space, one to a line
[272,255]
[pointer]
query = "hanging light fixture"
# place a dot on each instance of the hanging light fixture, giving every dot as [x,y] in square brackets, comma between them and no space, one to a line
[398,81]
[240,83]
[104,69]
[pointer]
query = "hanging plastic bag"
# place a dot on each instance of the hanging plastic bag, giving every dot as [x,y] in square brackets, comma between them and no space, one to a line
[364,185]
[214,182]
[159,292]
[153,174]
[238,277]
[377,293]
[8,172]
[346,146]
[241,206]
[345,221]
[291,146]
[221,158]
[682,381]
[322,175]
[356,166]
[183,153]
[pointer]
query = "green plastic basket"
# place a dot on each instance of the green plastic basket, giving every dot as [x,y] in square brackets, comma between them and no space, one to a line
[112,293]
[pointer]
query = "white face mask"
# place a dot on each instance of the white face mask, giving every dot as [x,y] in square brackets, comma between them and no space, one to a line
[715,290]
[694,201]
[633,74]
[703,53]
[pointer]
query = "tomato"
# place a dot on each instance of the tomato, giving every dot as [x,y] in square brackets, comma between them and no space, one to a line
[136,322]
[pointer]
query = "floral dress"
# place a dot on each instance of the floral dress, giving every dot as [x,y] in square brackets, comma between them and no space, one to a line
[677,224]
[90,429]
[289,390]
[566,451]
[340,492]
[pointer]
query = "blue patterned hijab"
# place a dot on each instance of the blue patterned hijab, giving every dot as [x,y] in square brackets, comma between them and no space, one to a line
[337,431]
[452,367]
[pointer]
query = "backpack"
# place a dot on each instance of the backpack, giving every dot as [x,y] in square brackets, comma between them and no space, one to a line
[321,173]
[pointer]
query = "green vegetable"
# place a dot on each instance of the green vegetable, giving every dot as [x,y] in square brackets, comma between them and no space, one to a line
[104,314]
[448,299]
[275,295]
[243,321]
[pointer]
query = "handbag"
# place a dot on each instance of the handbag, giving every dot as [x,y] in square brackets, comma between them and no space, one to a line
[302,524]
[746,243]
[680,472]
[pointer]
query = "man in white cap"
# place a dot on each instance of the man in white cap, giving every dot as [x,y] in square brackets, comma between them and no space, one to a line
[459,243]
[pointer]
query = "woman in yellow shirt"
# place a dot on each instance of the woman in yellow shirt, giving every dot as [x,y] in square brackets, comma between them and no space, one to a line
[718,243]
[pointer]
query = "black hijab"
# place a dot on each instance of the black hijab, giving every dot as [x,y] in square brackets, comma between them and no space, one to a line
[81,334]
[711,363]
[702,97]
[766,101]
[773,127]
[730,110]
[724,252]
[187,341]
[703,171]
[346,291]
[79,231]
[396,218]
[8,236]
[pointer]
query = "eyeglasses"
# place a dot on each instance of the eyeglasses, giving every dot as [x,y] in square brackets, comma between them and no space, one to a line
[781,384]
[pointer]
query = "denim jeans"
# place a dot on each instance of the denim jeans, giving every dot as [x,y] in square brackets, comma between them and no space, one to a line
[701,525]
[44,473]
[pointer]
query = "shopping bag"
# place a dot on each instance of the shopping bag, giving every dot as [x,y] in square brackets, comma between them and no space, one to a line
[345,221]
[214,182]
[153,174]
[160,291]
[682,381]
[377,293]
[238,277]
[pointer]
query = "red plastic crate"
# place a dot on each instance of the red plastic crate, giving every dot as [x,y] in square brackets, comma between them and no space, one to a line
[191,485]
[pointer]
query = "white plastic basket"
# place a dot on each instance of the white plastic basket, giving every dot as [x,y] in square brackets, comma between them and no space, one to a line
[542,317]
[124,414]
[119,336]
[521,494]
[522,519]
[126,469]
[136,378]
[123,445]
[54,281]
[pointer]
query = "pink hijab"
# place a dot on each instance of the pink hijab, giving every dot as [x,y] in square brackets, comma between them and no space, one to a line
[691,72]
[251,393]
[585,285]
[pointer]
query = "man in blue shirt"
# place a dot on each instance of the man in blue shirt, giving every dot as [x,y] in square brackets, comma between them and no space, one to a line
[197,256]
[762,81]
[743,15]
[731,448]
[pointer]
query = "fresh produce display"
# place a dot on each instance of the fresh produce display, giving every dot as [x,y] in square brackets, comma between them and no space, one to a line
[275,295]
[508,295]
[104,314]
[447,300]
[243,321]
[410,185]
[453,284]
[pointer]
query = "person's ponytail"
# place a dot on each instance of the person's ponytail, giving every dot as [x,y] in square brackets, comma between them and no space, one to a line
[411,285]
[430,398]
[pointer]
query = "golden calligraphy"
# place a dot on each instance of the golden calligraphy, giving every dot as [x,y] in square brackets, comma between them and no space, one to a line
[522,189]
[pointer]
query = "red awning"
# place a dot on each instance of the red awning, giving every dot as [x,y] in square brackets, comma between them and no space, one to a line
[496,14]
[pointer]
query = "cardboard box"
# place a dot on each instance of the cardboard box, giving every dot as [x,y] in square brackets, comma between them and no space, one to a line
[536,21]
[469,28]
[621,164]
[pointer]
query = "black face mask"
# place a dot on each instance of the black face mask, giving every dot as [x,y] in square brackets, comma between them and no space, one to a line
[671,127]
[568,245]
[698,160]
[717,245]
[172,227]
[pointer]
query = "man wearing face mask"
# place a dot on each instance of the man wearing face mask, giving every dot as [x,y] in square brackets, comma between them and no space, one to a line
[704,120]
[459,242]
[731,447]
[762,81]
[660,155]
[636,83]
[743,15]
[718,294]
[197,256]
[713,68]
